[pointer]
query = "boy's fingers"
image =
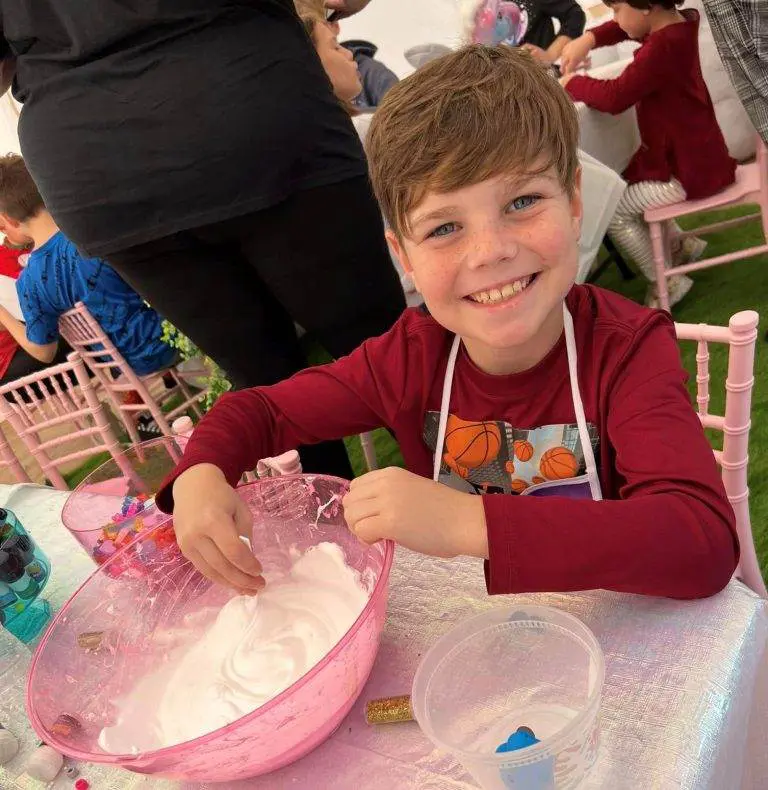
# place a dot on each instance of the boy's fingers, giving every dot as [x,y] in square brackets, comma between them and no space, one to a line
[233,576]
[354,512]
[199,562]
[368,530]
[236,552]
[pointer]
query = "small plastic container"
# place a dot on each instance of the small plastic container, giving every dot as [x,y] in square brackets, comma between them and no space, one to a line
[110,508]
[525,669]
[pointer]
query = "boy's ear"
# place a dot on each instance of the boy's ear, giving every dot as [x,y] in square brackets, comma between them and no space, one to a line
[577,204]
[396,246]
[8,222]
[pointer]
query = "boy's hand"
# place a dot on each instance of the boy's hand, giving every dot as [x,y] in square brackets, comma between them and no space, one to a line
[417,513]
[539,54]
[566,79]
[575,53]
[208,517]
[345,8]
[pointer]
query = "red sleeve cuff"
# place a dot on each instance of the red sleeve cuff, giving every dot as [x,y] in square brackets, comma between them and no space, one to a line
[500,568]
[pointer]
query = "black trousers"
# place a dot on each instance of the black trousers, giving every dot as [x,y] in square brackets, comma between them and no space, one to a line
[236,288]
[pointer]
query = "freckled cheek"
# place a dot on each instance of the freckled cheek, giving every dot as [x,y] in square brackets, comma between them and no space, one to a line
[437,276]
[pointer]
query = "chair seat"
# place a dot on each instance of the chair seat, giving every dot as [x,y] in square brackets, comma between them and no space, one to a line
[747,182]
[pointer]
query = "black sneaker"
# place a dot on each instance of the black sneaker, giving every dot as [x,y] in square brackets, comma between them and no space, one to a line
[147,428]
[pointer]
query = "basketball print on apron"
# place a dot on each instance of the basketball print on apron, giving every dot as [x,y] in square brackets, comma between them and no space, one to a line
[552,460]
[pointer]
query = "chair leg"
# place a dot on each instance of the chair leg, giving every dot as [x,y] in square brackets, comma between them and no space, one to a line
[186,392]
[614,254]
[659,256]
[369,451]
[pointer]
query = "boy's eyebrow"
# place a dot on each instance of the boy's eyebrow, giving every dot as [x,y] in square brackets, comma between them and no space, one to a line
[438,213]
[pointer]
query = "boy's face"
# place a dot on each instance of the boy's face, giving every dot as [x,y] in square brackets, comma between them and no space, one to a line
[494,262]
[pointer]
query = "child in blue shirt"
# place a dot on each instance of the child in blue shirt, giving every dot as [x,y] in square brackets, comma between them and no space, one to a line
[57,277]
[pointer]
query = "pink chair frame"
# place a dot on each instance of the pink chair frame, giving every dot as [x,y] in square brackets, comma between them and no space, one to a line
[751,186]
[9,460]
[740,335]
[56,405]
[81,330]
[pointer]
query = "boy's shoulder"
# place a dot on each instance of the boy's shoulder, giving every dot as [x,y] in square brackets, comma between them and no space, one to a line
[608,310]
[610,324]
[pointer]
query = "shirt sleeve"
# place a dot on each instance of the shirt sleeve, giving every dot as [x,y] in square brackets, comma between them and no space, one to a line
[569,13]
[355,394]
[650,69]
[608,34]
[672,532]
[40,317]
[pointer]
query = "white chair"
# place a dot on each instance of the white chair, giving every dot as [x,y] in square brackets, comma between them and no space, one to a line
[601,190]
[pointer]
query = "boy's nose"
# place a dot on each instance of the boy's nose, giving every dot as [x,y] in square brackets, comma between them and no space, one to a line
[490,247]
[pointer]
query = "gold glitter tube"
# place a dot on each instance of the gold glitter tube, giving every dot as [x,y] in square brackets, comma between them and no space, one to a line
[391,710]
[91,640]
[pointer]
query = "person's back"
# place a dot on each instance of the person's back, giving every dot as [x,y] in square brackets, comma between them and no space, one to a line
[192,124]
[57,277]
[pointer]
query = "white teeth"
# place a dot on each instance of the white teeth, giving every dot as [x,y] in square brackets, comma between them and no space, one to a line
[505,292]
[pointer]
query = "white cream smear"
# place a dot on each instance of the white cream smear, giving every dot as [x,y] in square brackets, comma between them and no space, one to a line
[257,647]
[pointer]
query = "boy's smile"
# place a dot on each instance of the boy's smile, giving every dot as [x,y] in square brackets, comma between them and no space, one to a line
[494,262]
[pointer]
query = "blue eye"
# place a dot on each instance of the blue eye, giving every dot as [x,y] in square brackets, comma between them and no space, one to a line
[443,230]
[524,201]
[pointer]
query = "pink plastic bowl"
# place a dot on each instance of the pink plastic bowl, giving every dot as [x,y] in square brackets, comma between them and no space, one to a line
[148,588]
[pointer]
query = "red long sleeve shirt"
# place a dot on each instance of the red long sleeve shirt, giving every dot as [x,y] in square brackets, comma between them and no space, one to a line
[679,133]
[665,526]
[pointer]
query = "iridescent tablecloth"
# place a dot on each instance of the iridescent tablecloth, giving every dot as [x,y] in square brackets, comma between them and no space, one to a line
[685,703]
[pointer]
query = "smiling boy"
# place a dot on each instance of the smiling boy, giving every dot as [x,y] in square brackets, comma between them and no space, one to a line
[552,418]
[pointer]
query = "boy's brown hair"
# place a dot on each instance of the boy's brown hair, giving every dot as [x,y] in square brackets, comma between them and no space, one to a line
[19,197]
[466,117]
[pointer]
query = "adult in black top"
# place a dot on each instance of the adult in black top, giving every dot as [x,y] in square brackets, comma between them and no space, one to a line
[197,146]
[540,37]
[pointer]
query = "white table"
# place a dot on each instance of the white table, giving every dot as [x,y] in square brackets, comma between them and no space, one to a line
[684,704]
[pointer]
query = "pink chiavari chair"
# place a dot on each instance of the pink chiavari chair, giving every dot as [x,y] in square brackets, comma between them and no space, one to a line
[740,336]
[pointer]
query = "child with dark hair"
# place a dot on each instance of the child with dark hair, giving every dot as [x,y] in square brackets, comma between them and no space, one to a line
[683,154]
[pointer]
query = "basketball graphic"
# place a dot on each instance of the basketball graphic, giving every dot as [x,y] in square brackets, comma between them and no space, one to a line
[518,486]
[509,467]
[523,450]
[460,470]
[536,480]
[471,444]
[559,463]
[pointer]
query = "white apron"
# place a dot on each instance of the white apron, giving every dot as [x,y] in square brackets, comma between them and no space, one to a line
[592,483]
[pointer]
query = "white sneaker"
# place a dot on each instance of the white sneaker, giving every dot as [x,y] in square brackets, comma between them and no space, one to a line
[691,249]
[677,288]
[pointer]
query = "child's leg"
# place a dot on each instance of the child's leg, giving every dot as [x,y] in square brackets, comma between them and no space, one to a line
[629,231]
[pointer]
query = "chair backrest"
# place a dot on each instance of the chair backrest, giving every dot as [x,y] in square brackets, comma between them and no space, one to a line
[83,332]
[740,335]
[9,460]
[58,400]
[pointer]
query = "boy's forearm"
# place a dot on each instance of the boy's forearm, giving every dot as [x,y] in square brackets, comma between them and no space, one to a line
[18,332]
[668,544]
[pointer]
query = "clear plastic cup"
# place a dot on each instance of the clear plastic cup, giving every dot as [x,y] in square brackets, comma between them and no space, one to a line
[116,501]
[528,667]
